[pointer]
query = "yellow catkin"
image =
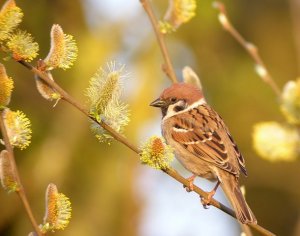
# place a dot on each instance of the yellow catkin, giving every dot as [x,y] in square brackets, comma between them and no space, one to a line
[6,87]
[58,210]
[179,12]
[63,50]
[156,153]
[18,128]
[104,95]
[290,102]
[276,142]
[22,46]
[10,18]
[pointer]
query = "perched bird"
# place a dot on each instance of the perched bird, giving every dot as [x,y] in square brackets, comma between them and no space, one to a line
[203,144]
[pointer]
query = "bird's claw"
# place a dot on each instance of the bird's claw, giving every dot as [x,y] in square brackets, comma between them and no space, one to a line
[205,202]
[190,186]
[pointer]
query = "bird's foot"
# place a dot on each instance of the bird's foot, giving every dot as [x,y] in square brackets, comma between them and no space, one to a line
[190,186]
[206,200]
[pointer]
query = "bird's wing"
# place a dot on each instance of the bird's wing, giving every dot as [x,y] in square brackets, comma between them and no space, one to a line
[203,133]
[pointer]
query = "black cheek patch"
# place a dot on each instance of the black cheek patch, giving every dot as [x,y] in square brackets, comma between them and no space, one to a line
[164,111]
[179,108]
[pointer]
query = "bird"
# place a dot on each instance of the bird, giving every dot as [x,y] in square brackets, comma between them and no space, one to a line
[202,144]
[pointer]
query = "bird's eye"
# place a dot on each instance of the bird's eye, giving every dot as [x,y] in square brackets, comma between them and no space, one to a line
[173,100]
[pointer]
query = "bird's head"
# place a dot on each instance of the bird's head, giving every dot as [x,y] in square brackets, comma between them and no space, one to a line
[177,97]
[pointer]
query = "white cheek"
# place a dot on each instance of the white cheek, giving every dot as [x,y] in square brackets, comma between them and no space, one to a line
[171,110]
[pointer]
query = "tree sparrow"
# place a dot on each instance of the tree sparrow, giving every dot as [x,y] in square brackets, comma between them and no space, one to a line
[203,144]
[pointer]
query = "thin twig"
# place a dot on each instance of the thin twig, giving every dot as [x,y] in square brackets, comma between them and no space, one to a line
[167,67]
[171,172]
[249,47]
[295,16]
[21,191]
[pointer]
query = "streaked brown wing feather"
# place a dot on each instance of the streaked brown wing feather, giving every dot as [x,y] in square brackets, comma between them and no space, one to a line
[203,133]
[238,154]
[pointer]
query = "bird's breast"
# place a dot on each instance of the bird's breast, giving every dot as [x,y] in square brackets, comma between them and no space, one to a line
[191,162]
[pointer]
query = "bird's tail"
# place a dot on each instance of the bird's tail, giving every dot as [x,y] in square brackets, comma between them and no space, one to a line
[237,200]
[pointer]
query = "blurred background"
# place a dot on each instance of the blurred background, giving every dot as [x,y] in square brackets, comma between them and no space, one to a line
[111,193]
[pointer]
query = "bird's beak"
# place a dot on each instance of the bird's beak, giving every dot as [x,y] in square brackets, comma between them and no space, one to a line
[158,103]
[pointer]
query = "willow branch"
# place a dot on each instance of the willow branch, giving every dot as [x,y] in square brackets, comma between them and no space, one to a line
[249,47]
[167,67]
[171,172]
[21,191]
